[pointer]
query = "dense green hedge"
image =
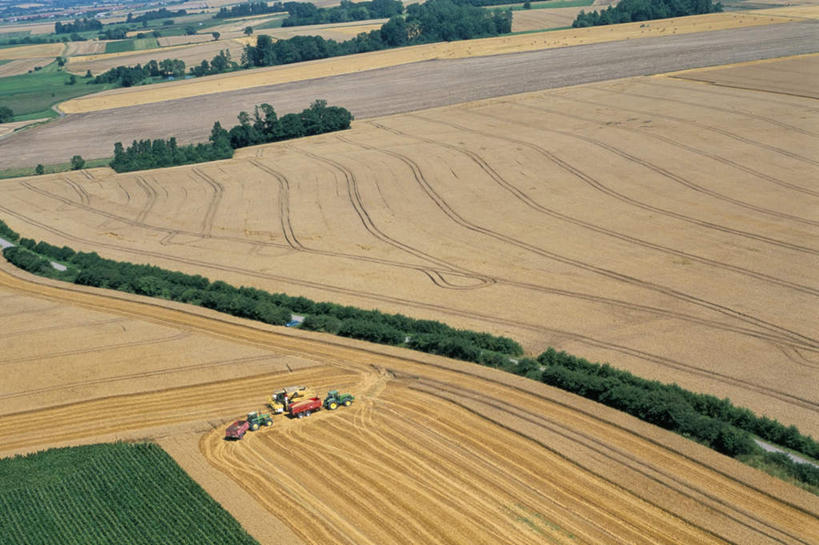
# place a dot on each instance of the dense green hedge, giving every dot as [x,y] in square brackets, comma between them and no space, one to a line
[90,269]
[306,13]
[109,493]
[713,421]
[628,11]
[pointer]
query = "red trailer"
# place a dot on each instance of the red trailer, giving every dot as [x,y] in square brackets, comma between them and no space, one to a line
[237,430]
[301,409]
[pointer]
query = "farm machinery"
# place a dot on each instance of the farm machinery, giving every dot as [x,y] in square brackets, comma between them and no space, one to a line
[279,400]
[297,401]
[254,420]
[334,399]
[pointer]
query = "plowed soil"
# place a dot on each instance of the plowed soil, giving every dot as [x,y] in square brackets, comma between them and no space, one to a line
[662,225]
[433,451]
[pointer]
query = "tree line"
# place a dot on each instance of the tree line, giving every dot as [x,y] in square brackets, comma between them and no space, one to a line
[263,127]
[306,13]
[89,269]
[248,8]
[432,21]
[78,25]
[711,421]
[644,10]
[161,13]
[128,76]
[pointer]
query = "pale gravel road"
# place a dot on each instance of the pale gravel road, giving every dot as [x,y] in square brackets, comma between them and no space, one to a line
[408,87]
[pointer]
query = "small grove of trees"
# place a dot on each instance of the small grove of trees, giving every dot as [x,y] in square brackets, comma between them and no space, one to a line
[78,25]
[432,21]
[219,64]
[305,13]
[264,126]
[145,154]
[127,76]
[6,114]
[643,10]
[161,13]
[77,162]
[248,8]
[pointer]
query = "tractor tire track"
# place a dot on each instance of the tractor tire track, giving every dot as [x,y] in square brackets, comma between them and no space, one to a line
[596,184]
[213,205]
[670,175]
[150,194]
[434,275]
[678,144]
[533,204]
[449,311]
[749,115]
[651,286]
[703,126]
[357,203]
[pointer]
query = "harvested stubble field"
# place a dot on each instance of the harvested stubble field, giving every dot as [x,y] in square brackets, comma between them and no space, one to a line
[662,225]
[433,451]
[31,51]
[397,89]
[446,50]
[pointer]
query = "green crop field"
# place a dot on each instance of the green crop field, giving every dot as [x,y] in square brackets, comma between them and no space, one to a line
[108,493]
[31,96]
[134,44]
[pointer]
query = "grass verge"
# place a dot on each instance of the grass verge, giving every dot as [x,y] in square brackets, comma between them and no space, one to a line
[51,169]
[31,96]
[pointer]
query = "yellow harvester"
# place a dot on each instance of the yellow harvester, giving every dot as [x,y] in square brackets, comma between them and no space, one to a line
[281,399]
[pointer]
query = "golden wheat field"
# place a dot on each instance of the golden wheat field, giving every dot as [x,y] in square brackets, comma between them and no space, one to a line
[660,224]
[433,451]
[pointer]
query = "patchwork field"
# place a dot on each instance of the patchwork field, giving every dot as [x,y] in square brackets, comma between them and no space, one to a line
[444,50]
[433,450]
[397,89]
[659,224]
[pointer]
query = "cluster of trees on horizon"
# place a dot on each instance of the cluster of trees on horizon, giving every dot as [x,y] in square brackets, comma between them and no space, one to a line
[714,422]
[432,21]
[306,13]
[161,13]
[78,25]
[628,11]
[265,126]
[127,76]
[248,8]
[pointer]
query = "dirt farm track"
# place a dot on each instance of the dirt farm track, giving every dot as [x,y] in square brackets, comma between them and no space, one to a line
[407,87]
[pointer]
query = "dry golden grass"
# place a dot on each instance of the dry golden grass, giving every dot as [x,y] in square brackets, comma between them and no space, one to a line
[22,66]
[432,451]
[381,59]
[660,224]
[31,51]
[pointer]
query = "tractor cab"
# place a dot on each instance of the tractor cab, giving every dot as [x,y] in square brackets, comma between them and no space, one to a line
[334,399]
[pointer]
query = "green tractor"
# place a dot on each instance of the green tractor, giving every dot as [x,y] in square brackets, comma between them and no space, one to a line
[257,420]
[334,399]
